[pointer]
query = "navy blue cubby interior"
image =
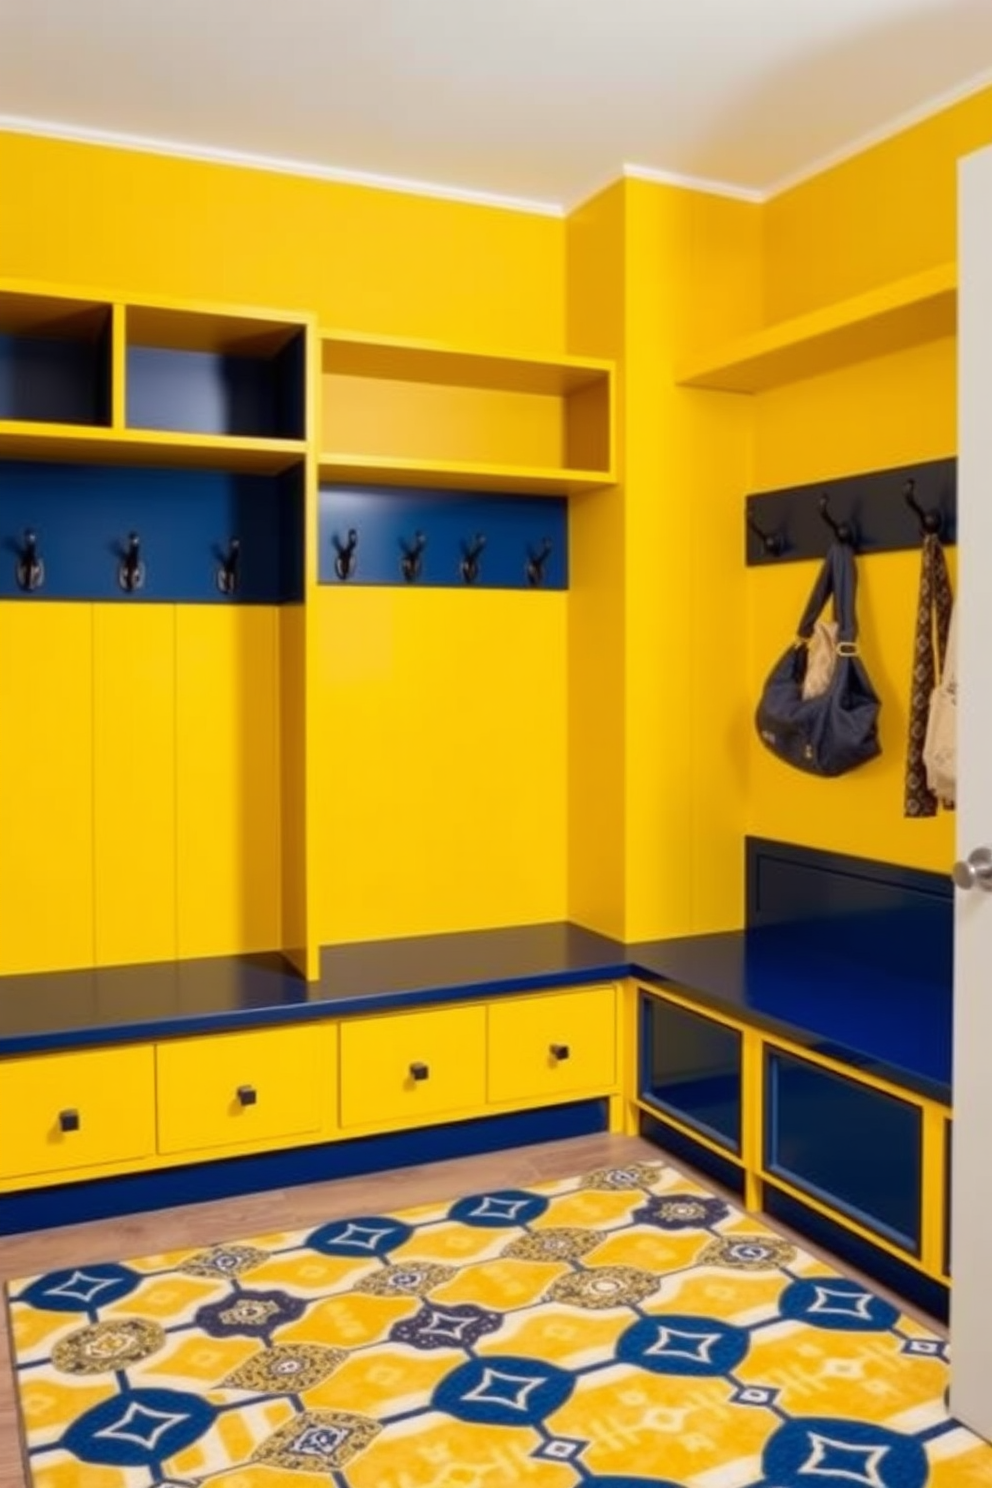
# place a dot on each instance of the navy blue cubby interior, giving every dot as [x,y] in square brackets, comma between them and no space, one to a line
[57,379]
[691,1066]
[206,392]
[83,515]
[856,1147]
[387,519]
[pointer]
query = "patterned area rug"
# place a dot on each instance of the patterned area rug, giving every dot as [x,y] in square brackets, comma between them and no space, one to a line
[618,1330]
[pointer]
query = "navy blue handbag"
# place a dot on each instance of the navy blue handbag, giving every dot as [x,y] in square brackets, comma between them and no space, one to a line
[838,730]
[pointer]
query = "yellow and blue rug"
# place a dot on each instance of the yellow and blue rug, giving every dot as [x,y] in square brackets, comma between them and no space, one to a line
[618,1330]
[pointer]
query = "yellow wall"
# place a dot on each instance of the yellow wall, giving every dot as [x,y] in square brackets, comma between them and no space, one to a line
[437,765]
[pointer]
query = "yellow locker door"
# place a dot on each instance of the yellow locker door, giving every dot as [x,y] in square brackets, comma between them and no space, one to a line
[227,738]
[46,786]
[134,669]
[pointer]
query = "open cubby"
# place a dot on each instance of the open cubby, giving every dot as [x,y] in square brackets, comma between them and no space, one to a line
[55,359]
[411,413]
[83,515]
[201,373]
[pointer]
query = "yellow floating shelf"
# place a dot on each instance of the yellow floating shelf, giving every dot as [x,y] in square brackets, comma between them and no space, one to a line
[346,355]
[88,444]
[909,312]
[458,475]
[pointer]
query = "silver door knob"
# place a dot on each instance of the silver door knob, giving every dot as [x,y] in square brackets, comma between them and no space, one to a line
[976,872]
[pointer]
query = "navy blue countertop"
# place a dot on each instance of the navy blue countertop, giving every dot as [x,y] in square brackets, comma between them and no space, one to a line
[896,1025]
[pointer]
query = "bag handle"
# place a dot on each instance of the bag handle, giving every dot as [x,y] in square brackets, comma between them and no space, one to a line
[837,578]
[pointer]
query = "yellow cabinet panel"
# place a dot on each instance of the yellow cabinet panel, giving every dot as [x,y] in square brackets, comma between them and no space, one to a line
[78,1110]
[227,741]
[228,1089]
[552,1045]
[134,669]
[403,1067]
[46,786]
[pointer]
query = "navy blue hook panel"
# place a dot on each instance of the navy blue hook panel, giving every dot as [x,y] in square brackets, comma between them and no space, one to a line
[388,519]
[82,517]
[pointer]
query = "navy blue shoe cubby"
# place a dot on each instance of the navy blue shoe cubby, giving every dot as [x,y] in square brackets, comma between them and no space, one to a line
[62,377]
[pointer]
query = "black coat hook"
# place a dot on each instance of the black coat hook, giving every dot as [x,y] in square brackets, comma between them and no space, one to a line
[536,562]
[843,531]
[411,562]
[131,571]
[930,521]
[772,542]
[30,569]
[229,568]
[471,553]
[346,561]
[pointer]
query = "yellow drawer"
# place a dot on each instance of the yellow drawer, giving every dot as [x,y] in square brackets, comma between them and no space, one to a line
[402,1067]
[241,1089]
[552,1045]
[66,1111]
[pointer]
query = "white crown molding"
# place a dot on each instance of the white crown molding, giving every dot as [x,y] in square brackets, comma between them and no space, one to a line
[918,115]
[74,134]
[702,184]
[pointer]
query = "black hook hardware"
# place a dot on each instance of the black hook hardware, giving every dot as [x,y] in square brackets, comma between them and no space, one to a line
[772,542]
[843,531]
[228,570]
[930,521]
[344,563]
[471,553]
[30,570]
[411,562]
[131,573]
[536,562]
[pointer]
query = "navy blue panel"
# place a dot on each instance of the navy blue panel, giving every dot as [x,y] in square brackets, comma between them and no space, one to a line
[931,1296]
[873,503]
[74,1203]
[53,380]
[691,1067]
[387,519]
[900,920]
[850,1145]
[185,519]
[201,392]
[729,1175]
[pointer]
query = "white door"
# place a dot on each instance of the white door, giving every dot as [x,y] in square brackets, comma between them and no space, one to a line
[971,1213]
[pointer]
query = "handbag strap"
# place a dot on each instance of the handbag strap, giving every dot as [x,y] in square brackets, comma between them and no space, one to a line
[838,579]
[933,656]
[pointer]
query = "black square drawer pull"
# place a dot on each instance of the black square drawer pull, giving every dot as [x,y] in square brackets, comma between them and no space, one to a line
[419,1071]
[560,1051]
[69,1121]
[247,1095]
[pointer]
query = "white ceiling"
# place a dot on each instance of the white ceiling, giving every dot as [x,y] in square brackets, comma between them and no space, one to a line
[536,100]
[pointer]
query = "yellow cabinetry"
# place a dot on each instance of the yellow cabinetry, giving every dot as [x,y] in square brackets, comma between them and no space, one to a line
[544,1048]
[60,1112]
[267,1086]
[404,1068]
[46,782]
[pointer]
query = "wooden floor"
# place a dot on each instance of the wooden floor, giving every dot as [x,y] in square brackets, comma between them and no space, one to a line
[294,1208]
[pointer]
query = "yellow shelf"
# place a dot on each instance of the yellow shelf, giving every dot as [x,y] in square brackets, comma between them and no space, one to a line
[460,475]
[906,313]
[346,355]
[88,445]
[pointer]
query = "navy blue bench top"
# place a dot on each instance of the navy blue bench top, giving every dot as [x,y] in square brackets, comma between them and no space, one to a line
[893,1023]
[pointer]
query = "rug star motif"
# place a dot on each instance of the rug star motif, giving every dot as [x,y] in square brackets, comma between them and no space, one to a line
[674,1343]
[446,1325]
[141,1425]
[362,1237]
[81,1288]
[488,1390]
[834,1459]
[490,1208]
[842,1304]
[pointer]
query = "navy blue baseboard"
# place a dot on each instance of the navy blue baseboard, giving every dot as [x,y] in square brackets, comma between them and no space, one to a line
[134,1193]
